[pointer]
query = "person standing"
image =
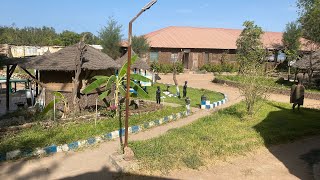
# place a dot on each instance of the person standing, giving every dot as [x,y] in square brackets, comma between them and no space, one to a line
[188,101]
[185,89]
[297,93]
[158,95]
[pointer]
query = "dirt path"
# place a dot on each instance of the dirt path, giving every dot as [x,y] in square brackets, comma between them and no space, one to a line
[279,162]
[94,164]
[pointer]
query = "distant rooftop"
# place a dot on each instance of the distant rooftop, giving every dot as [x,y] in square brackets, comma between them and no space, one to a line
[206,38]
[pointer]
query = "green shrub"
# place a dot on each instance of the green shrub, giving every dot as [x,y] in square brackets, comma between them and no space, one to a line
[225,67]
[166,68]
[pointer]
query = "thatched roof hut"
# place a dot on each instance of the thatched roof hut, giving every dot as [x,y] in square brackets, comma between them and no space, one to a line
[64,60]
[56,70]
[139,64]
[309,61]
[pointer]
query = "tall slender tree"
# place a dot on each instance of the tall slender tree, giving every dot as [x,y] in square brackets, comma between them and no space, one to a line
[291,42]
[111,36]
[251,56]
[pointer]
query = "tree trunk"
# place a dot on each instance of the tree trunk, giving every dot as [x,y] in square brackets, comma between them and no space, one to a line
[76,79]
[310,74]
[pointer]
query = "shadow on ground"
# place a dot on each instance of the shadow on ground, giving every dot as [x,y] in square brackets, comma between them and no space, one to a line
[286,126]
[104,173]
[46,173]
[42,173]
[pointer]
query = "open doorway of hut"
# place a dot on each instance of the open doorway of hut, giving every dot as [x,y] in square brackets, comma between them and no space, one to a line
[185,60]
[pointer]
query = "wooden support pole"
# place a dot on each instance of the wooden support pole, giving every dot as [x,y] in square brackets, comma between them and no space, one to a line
[34,78]
[13,67]
[54,107]
[7,89]
[37,85]
[95,121]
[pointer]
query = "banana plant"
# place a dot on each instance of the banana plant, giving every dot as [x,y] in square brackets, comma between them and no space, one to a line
[59,98]
[107,82]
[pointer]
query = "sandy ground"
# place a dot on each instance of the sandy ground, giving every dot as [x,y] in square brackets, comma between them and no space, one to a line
[279,162]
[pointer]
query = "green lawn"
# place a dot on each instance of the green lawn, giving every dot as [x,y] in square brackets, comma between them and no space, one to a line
[226,133]
[271,81]
[37,136]
[192,93]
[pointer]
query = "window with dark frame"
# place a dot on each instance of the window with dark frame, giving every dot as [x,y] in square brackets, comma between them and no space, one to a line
[154,56]
[174,57]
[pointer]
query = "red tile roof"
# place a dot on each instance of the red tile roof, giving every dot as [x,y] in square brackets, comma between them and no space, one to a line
[205,38]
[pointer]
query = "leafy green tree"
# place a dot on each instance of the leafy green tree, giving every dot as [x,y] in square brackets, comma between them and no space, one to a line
[249,46]
[69,38]
[251,56]
[291,40]
[291,36]
[140,45]
[117,81]
[90,38]
[310,19]
[111,36]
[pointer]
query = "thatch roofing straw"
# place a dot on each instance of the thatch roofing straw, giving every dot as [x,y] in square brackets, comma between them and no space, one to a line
[139,64]
[307,62]
[64,60]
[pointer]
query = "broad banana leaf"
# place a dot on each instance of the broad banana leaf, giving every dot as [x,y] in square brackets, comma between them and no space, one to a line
[111,80]
[122,91]
[95,84]
[100,77]
[123,69]
[50,105]
[58,95]
[104,94]
[140,91]
[139,77]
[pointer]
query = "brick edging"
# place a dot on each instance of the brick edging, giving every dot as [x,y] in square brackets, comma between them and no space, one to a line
[286,92]
[49,150]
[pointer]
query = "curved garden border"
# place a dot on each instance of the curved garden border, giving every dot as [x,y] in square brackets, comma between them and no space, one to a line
[49,150]
[210,105]
[16,154]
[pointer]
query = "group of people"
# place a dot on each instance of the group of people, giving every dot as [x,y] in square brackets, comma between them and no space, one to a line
[296,95]
[184,92]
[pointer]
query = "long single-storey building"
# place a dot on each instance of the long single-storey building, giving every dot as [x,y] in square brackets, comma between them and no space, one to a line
[198,46]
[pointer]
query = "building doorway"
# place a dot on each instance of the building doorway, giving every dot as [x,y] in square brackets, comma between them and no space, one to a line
[186,60]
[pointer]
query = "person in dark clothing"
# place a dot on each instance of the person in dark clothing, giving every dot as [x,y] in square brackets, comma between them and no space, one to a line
[185,89]
[297,93]
[158,95]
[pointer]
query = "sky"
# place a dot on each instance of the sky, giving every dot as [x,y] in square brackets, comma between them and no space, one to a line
[92,15]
